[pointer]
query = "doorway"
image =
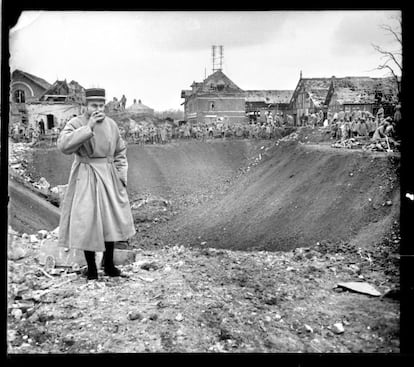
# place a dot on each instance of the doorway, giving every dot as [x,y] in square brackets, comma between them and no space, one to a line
[50,122]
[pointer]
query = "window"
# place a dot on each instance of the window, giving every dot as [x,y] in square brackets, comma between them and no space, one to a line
[19,96]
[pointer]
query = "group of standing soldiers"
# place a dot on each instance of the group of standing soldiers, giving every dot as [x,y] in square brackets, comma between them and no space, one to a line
[116,105]
[32,134]
[365,125]
[27,134]
[163,134]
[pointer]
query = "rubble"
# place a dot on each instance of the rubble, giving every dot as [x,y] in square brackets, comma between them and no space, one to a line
[232,299]
[42,234]
[364,144]
[135,316]
[360,287]
[338,328]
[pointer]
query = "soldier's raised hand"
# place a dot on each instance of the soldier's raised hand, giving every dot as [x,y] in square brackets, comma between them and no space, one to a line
[95,117]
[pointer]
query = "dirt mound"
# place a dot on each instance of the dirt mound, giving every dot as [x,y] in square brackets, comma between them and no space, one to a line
[297,196]
[175,170]
[241,194]
[28,212]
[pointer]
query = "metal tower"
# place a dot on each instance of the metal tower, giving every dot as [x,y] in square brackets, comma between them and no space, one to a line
[217,56]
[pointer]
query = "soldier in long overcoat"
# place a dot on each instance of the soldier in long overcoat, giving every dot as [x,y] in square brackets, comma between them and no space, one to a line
[95,212]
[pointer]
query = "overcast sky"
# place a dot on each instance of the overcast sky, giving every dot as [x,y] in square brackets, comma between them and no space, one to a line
[152,56]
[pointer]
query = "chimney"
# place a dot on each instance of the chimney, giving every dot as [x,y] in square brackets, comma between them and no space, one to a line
[300,77]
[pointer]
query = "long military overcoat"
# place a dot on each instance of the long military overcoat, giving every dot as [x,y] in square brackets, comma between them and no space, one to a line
[96,207]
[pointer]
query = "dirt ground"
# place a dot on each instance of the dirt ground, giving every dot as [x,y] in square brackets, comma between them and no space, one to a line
[240,246]
[179,299]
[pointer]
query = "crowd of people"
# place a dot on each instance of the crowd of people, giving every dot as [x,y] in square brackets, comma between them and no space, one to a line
[165,133]
[32,134]
[341,126]
[363,124]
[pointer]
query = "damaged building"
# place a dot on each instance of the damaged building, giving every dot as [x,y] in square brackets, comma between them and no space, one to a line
[331,95]
[362,93]
[217,98]
[24,88]
[309,97]
[259,103]
[53,103]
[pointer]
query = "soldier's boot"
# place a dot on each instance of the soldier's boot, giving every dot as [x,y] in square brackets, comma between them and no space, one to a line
[108,261]
[91,272]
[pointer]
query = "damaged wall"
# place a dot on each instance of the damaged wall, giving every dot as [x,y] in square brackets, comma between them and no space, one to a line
[58,113]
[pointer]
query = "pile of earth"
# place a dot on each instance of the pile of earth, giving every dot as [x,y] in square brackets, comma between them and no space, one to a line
[253,194]
[298,194]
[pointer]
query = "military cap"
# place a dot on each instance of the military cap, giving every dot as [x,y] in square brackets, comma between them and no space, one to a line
[95,93]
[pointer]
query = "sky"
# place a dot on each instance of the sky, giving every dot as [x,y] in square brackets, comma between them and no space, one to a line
[153,55]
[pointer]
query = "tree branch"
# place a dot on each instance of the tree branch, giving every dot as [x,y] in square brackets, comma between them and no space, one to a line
[396,35]
[385,66]
[387,53]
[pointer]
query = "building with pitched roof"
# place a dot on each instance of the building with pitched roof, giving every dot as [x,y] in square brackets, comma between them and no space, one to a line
[309,97]
[217,98]
[33,99]
[25,87]
[362,93]
[63,92]
[331,95]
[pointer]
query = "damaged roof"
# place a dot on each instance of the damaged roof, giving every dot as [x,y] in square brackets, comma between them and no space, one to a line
[317,89]
[218,82]
[73,91]
[35,79]
[269,96]
[365,90]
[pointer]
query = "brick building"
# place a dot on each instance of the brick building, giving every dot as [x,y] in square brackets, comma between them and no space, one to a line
[217,98]
[24,88]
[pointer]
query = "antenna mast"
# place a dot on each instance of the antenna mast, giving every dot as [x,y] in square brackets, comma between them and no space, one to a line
[217,55]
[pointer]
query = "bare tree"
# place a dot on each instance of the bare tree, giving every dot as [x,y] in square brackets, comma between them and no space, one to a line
[392,59]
